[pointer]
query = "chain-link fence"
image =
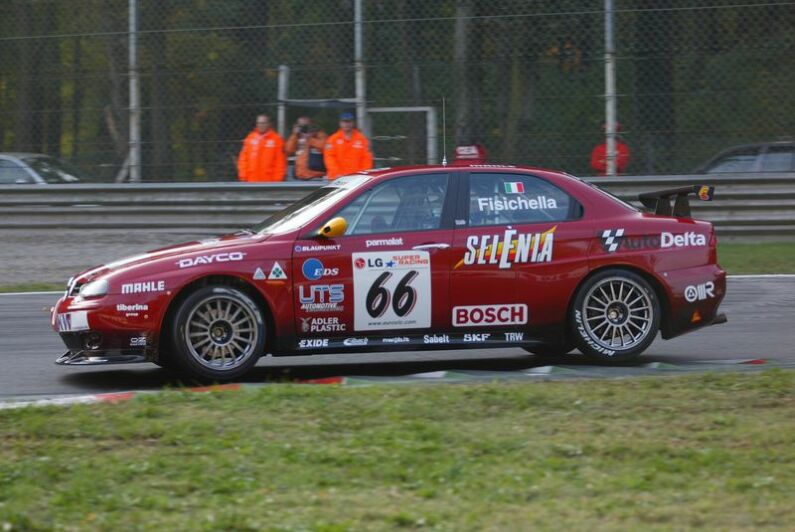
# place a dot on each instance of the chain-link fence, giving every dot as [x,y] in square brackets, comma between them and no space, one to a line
[523,77]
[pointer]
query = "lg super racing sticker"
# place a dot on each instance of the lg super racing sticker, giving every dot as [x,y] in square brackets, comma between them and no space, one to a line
[391,290]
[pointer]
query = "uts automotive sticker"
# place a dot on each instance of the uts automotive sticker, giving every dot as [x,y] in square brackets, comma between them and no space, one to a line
[391,290]
[509,248]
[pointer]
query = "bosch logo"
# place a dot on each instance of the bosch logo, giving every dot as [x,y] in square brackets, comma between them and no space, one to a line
[313,270]
[477,315]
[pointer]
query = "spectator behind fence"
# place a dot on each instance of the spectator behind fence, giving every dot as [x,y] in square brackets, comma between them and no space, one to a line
[262,157]
[599,155]
[347,150]
[307,143]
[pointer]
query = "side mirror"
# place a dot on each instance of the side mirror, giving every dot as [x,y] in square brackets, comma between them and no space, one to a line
[333,228]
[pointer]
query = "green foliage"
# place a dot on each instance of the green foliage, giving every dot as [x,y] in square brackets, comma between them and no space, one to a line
[692,80]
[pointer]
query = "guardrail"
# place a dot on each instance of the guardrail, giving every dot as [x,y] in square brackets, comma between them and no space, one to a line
[758,205]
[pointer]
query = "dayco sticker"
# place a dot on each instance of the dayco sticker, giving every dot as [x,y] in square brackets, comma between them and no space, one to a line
[509,248]
[210,259]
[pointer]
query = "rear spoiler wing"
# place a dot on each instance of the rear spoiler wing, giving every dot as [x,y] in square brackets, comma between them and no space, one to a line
[660,202]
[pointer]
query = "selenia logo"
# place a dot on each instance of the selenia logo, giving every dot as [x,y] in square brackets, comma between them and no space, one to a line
[509,248]
[689,239]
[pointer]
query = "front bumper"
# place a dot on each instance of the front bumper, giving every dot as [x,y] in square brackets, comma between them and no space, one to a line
[107,331]
[93,358]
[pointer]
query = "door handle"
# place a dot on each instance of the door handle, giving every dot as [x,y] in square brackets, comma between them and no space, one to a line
[432,246]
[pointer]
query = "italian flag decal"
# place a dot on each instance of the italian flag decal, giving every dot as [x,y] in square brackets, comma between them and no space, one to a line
[514,188]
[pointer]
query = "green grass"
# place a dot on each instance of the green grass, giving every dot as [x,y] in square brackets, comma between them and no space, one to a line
[757,258]
[714,451]
[32,287]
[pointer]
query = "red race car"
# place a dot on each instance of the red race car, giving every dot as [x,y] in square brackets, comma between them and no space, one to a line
[413,258]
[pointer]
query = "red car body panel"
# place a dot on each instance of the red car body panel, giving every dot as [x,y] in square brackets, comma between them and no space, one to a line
[676,254]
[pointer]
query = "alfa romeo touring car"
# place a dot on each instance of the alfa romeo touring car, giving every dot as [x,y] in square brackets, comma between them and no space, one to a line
[414,258]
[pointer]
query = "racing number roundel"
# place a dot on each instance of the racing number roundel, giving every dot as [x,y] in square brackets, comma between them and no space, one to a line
[391,290]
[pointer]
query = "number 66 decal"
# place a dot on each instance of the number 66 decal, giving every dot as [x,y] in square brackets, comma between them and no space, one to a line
[391,290]
[403,299]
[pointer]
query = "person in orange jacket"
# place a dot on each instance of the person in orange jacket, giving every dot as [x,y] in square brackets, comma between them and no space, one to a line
[307,142]
[262,157]
[599,155]
[347,151]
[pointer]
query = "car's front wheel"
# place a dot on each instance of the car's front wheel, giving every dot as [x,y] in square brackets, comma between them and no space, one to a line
[615,316]
[217,334]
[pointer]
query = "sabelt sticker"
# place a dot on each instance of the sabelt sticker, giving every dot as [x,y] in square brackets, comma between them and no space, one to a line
[391,290]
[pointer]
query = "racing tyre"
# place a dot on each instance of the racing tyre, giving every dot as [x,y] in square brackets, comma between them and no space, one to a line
[615,316]
[217,334]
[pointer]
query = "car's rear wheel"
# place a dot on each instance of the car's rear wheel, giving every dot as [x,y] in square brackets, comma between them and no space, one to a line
[615,316]
[217,334]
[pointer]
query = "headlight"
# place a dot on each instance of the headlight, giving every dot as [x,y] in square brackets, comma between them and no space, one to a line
[94,288]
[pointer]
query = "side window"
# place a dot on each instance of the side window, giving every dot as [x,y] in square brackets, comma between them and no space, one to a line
[11,173]
[499,199]
[404,204]
[741,160]
[778,159]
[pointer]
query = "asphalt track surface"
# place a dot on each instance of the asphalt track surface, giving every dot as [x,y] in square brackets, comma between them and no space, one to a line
[761,312]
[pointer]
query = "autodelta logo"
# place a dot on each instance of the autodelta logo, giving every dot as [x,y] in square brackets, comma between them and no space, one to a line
[616,239]
[313,270]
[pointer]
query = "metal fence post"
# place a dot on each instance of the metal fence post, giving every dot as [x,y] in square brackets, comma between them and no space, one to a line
[610,90]
[135,97]
[284,89]
[361,87]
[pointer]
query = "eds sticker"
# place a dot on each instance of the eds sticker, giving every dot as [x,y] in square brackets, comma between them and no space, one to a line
[391,290]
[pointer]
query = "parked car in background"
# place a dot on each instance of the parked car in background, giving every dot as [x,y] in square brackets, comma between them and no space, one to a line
[37,169]
[761,157]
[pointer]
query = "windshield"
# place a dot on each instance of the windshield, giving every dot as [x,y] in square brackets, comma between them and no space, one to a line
[303,211]
[54,171]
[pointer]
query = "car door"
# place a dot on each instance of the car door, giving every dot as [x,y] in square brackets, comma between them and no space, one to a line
[515,253]
[388,276]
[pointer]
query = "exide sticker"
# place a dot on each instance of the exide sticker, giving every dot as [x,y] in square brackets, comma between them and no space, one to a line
[478,315]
